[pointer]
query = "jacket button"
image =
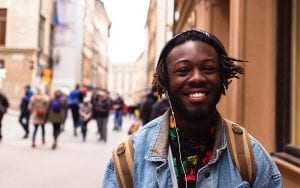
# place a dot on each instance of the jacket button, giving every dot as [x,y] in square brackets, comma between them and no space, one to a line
[206,174]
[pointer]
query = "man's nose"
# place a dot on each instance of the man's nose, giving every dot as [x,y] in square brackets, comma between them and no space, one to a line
[198,76]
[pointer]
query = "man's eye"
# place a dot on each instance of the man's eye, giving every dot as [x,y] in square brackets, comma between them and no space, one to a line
[182,71]
[209,70]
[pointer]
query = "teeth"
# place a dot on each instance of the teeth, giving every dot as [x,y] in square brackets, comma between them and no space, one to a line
[195,95]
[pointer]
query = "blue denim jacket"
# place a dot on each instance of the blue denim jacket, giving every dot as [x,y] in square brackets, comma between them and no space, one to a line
[153,165]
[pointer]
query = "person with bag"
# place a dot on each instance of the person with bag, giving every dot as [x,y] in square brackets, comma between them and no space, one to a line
[56,114]
[38,106]
[4,104]
[73,104]
[192,144]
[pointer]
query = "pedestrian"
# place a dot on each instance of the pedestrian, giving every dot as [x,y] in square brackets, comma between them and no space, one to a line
[102,106]
[38,106]
[118,112]
[56,114]
[64,95]
[4,104]
[187,145]
[24,111]
[146,106]
[159,107]
[73,104]
[85,113]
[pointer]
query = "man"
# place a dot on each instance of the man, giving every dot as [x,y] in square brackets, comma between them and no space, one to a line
[4,104]
[73,104]
[159,107]
[118,104]
[102,106]
[146,107]
[24,111]
[187,146]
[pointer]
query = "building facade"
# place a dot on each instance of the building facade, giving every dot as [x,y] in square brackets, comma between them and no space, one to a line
[121,80]
[96,33]
[25,44]
[68,40]
[140,85]
[159,25]
[266,100]
[80,48]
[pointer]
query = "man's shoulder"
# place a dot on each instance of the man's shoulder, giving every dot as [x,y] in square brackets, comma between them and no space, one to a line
[148,130]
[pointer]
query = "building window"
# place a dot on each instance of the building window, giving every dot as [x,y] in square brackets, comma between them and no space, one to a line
[2,64]
[287,81]
[42,32]
[3,13]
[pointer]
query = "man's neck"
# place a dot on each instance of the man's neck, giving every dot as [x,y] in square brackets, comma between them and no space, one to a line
[194,128]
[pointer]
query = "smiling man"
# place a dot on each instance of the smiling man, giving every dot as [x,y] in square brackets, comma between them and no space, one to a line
[187,146]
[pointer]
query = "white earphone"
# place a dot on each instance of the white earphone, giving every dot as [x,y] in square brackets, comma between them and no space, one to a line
[178,141]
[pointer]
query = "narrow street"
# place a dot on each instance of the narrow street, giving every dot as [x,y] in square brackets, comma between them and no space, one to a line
[73,164]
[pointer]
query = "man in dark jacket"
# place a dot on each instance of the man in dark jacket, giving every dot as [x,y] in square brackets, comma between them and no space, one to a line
[102,106]
[146,108]
[4,104]
[24,111]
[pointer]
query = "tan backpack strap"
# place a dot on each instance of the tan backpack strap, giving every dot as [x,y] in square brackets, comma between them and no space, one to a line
[241,150]
[123,163]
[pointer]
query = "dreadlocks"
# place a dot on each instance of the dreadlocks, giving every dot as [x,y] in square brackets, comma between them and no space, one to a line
[229,69]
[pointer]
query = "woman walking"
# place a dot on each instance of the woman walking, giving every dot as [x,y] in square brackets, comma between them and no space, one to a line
[38,105]
[56,114]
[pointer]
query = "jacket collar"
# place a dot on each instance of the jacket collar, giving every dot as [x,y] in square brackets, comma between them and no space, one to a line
[159,149]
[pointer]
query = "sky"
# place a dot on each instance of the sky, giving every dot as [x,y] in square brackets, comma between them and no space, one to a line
[127,35]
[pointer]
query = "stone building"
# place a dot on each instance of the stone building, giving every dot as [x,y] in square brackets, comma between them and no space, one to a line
[25,44]
[80,48]
[96,33]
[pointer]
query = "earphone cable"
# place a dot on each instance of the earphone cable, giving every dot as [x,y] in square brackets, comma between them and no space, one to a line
[178,141]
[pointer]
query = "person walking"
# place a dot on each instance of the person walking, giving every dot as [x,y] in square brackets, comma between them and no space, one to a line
[187,146]
[38,106]
[73,104]
[85,115]
[24,111]
[118,113]
[159,107]
[56,114]
[4,104]
[146,106]
[102,106]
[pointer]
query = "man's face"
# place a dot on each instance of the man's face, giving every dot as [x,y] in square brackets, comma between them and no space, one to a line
[195,80]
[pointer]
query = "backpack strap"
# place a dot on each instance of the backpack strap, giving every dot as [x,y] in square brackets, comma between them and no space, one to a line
[241,150]
[123,163]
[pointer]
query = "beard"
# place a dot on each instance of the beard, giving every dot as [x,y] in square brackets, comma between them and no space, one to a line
[179,108]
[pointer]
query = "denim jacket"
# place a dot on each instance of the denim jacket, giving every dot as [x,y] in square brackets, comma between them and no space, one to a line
[153,165]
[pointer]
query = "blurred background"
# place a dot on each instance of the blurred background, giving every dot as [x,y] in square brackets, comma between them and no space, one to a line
[113,46]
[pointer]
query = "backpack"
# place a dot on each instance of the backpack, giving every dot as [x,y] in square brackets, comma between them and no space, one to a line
[73,98]
[56,105]
[238,143]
